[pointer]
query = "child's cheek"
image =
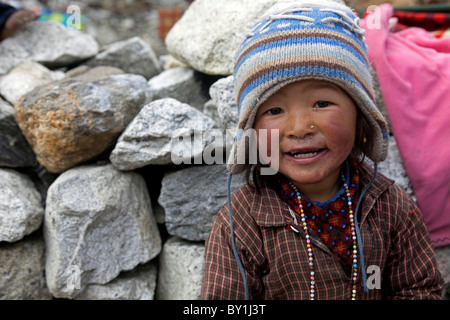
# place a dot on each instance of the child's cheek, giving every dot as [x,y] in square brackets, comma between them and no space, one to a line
[341,132]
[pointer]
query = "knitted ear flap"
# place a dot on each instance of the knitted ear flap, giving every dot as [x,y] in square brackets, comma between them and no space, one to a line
[301,40]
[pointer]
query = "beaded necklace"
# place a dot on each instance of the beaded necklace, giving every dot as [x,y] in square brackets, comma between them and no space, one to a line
[308,240]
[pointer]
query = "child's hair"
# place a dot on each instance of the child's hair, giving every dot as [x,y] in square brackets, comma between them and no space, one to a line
[302,40]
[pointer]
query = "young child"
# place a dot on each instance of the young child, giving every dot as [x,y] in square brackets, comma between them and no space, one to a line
[325,226]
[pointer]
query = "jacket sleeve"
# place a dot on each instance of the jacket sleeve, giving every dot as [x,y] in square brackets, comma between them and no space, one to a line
[222,279]
[411,271]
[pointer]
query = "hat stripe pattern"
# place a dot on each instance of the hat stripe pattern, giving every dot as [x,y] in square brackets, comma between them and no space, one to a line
[325,64]
[284,36]
[319,40]
[332,53]
[279,39]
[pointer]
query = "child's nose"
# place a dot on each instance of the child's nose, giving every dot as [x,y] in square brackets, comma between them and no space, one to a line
[300,125]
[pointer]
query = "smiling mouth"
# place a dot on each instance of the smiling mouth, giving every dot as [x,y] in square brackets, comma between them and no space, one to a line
[304,154]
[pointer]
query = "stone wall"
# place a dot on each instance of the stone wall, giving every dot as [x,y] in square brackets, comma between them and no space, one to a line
[112,158]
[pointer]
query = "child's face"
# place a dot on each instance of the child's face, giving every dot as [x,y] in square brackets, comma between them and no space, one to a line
[316,123]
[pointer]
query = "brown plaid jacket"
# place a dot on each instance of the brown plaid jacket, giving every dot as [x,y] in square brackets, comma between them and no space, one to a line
[394,237]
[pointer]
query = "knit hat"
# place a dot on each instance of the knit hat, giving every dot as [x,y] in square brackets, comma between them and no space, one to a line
[301,40]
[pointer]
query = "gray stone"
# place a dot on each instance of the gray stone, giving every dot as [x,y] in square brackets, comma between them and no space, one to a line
[223,94]
[47,42]
[191,198]
[98,222]
[152,137]
[138,284]
[22,270]
[170,3]
[181,269]
[24,78]
[167,61]
[210,110]
[85,73]
[443,263]
[178,83]
[71,121]
[21,211]
[124,23]
[132,56]
[14,148]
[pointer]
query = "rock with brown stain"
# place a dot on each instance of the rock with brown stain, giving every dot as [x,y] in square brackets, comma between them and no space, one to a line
[71,121]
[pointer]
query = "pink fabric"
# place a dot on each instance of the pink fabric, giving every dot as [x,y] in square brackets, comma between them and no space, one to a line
[414,73]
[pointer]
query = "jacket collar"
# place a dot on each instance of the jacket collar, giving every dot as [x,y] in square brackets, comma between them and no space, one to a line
[271,211]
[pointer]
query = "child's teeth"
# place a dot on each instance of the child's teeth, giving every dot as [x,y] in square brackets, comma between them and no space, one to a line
[305,155]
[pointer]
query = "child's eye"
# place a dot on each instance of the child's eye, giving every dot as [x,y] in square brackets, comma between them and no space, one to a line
[274,111]
[322,104]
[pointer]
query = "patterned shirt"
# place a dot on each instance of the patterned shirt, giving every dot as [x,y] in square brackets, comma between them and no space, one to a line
[395,241]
